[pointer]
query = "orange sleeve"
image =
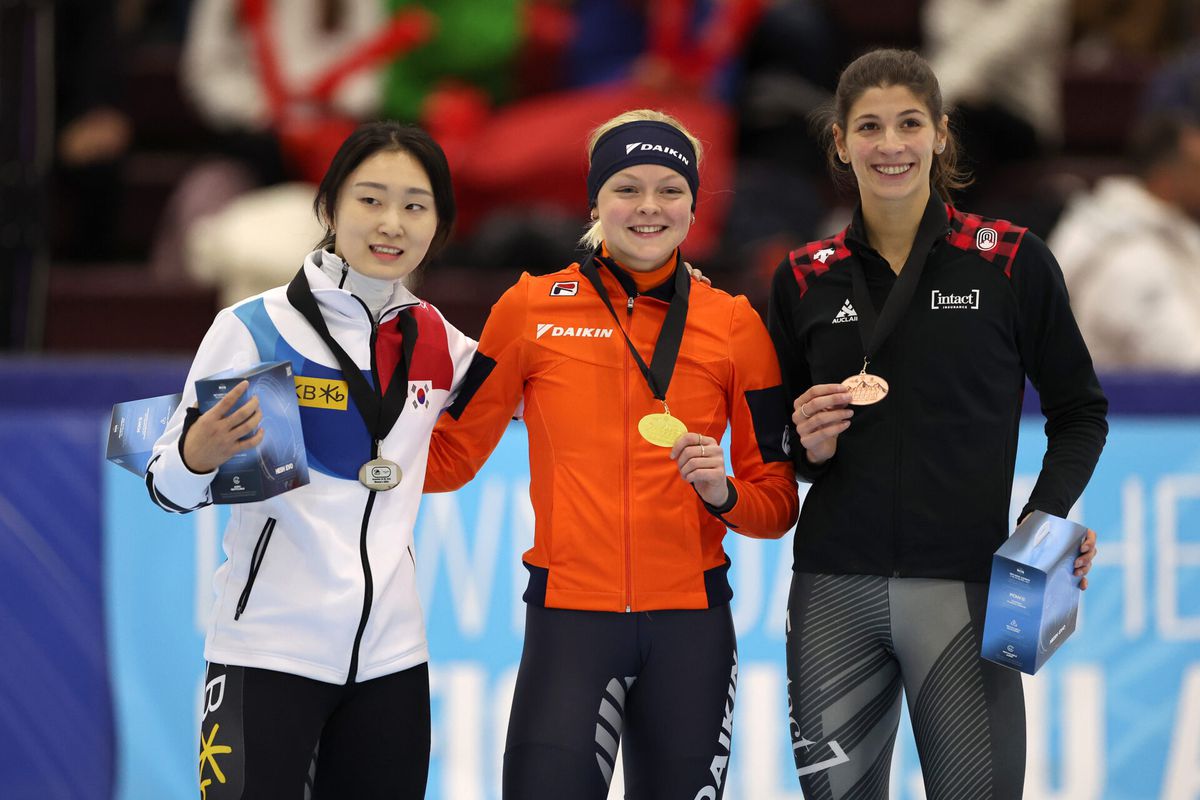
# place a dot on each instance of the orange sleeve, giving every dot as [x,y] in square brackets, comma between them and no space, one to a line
[764,479]
[467,433]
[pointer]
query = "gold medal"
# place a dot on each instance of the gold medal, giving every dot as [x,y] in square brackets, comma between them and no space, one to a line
[379,474]
[661,429]
[865,388]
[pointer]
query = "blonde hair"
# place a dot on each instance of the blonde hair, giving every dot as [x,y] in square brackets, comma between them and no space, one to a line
[594,235]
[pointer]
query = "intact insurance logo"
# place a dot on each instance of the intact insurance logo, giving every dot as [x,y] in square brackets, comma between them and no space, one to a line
[951,300]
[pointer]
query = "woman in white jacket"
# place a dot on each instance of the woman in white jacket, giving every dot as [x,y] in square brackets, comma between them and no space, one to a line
[316,650]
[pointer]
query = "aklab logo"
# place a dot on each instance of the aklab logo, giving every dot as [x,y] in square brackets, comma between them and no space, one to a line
[544,328]
[847,314]
[564,289]
[986,238]
[823,255]
[629,148]
[947,300]
[418,393]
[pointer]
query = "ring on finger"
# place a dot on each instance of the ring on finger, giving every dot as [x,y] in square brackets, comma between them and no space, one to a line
[805,413]
[702,450]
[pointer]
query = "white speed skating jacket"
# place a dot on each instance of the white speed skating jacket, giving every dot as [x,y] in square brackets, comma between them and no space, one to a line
[335,596]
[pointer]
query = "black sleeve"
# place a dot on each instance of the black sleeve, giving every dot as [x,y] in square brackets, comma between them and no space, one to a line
[1057,361]
[782,308]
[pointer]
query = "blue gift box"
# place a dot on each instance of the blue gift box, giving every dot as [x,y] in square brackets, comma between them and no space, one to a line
[135,427]
[1033,597]
[279,463]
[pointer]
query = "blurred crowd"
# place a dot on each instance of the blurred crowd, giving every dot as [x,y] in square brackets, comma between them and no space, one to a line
[187,133]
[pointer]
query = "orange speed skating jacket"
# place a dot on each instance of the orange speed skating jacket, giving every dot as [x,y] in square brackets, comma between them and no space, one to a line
[616,527]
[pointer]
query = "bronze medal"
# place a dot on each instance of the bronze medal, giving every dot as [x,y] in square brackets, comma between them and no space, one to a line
[865,388]
[873,330]
[380,474]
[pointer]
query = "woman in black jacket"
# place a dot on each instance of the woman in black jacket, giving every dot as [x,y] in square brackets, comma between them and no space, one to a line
[905,342]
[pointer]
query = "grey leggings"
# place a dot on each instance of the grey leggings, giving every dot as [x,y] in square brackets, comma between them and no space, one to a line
[854,644]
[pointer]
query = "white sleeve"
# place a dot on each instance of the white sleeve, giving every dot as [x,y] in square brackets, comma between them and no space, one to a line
[1137,317]
[172,486]
[970,41]
[462,352]
[217,70]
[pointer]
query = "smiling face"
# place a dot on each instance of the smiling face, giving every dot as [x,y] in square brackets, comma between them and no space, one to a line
[890,141]
[385,218]
[645,211]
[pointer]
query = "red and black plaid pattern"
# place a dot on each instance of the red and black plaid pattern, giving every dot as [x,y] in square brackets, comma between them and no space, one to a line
[805,261]
[974,233]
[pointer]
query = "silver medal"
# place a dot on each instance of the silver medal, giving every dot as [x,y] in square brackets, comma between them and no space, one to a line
[380,474]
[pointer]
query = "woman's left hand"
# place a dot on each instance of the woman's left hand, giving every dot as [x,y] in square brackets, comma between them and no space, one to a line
[1087,552]
[702,463]
[696,274]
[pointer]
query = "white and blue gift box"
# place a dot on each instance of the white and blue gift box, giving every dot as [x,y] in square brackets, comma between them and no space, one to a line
[135,427]
[279,462]
[1033,595]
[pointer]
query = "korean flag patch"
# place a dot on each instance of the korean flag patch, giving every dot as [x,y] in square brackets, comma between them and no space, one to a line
[564,289]
[418,394]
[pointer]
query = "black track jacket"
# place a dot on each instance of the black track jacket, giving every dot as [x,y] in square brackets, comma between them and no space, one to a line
[921,482]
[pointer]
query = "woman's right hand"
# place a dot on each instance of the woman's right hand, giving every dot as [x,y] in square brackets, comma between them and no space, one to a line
[216,436]
[820,415]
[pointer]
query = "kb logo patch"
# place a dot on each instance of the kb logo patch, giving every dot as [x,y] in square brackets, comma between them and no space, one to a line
[322,393]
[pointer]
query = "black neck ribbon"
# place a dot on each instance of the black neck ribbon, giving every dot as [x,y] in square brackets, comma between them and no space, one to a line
[379,411]
[874,331]
[666,348]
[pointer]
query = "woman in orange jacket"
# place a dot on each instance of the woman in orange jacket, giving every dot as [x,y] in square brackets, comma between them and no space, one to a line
[627,374]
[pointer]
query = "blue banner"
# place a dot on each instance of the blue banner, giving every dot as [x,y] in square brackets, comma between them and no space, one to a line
[1114,714]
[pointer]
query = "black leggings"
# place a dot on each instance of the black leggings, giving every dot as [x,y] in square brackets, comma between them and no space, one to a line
[268,735]
[855,643]
[660,682]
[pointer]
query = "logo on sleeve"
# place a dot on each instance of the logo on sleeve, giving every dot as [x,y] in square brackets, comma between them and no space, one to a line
[418,393]
[947,300]
[823,255]
[986,238]
[564,289]
[847,314]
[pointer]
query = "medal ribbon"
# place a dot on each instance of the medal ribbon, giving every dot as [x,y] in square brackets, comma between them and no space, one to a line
[378,413]
[874,331]
[666,348]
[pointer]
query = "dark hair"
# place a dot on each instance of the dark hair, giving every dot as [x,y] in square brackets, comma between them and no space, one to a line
[1156,140]
[388,136]
[880,69]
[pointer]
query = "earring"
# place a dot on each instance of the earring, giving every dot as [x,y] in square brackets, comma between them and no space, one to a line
[940,148]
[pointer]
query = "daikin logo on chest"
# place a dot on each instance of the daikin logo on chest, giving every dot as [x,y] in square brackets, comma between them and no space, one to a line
[950,300]
[550,328]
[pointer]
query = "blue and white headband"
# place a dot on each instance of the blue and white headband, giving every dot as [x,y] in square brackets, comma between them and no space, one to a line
[642,142]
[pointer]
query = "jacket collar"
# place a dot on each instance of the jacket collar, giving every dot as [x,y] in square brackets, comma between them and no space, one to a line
[664,291]
[339,301]
[934,220]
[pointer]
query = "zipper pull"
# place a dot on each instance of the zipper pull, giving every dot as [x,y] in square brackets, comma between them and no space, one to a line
[629,304]
[628,609]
